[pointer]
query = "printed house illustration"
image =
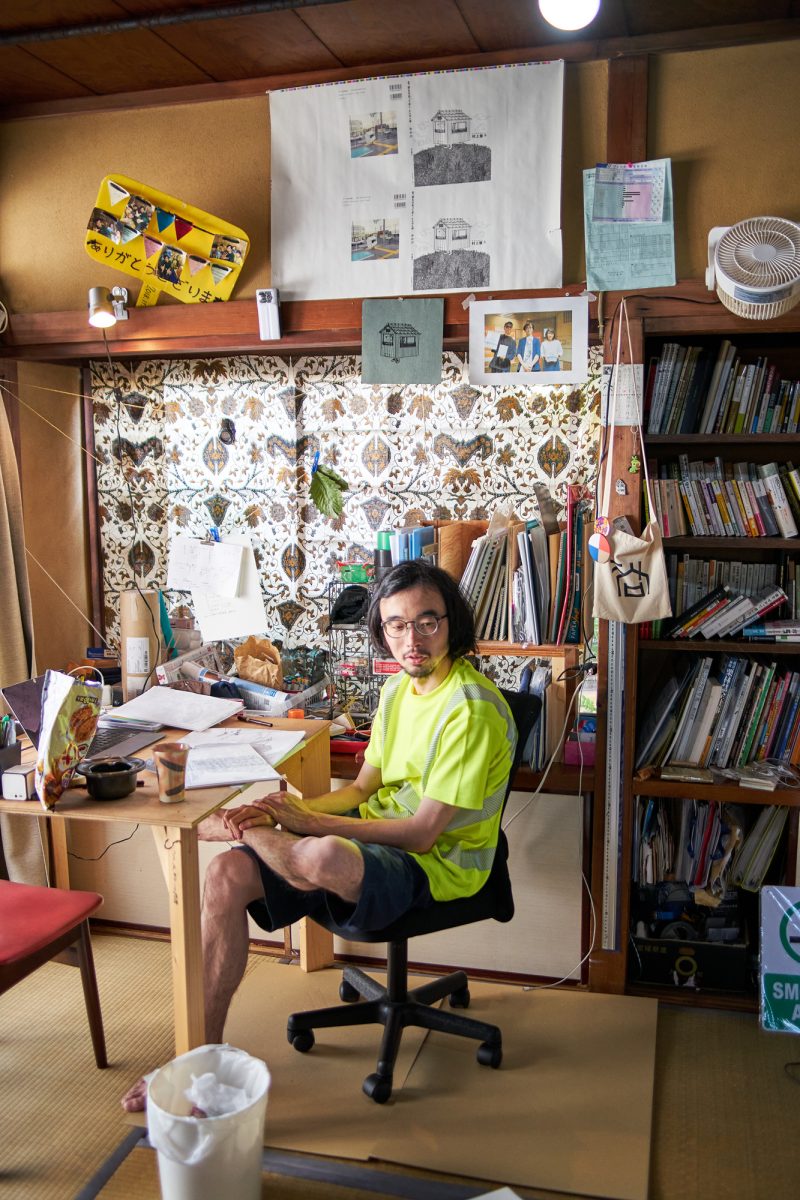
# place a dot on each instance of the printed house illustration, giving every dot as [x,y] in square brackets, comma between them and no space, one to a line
[450,126]
[399,341]
[451,233]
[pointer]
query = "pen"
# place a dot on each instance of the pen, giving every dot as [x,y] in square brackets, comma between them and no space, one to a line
[253,720]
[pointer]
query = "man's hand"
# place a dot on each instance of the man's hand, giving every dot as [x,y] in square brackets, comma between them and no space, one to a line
[245,816]
[289,812]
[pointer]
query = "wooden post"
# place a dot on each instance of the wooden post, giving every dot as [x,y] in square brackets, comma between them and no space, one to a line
[626,141]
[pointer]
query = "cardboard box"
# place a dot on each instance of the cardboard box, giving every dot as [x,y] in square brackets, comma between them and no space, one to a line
[695,966]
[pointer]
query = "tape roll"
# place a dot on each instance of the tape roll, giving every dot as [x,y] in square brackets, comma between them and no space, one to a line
[678,931]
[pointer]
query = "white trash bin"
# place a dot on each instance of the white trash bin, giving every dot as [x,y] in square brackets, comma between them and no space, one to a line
[216,1157]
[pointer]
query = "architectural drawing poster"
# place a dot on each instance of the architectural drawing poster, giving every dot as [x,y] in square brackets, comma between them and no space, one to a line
[443,181]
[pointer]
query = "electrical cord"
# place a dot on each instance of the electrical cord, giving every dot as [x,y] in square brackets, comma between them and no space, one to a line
[97,857]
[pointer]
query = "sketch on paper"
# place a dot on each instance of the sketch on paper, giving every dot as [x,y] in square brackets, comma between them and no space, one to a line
[454,261]
[426,178]
[373,134]
[457,153]
[374,240]
[399,341]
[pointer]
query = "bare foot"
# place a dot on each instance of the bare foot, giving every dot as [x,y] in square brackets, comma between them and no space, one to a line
[135,1099]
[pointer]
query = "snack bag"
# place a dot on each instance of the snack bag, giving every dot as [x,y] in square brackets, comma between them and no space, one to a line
[260,662]
[70,710]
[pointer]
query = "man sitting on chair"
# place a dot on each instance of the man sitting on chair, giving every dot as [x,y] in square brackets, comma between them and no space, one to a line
[419,823]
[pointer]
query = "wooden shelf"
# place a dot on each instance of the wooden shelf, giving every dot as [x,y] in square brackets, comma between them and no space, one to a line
[731,543]
[569,651]
[721,439]
[724,793]
[704,647]
[174,330]
[699,997]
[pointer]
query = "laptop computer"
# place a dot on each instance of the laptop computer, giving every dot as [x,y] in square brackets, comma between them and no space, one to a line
[112,737]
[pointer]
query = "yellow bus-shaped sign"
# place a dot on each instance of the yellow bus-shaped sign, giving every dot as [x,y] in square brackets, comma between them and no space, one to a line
[170,246]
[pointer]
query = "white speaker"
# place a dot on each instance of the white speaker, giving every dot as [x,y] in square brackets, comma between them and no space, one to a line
[269,321]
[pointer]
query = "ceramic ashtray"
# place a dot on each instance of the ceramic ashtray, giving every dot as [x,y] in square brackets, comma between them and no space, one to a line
[110,778]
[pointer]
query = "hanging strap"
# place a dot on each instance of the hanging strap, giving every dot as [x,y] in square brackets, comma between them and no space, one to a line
[611,417]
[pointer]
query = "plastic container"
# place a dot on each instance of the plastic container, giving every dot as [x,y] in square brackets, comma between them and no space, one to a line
[212,1157]
[356,572]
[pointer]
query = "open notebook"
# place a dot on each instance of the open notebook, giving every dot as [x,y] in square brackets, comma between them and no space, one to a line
[219,757]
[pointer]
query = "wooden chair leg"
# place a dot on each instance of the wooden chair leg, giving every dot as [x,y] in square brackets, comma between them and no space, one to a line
[91,995]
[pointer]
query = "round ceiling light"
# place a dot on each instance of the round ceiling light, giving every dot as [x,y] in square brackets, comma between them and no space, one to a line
[569,14]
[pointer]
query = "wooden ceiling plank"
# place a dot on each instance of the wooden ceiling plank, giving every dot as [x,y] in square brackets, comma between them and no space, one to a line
[111,62]
[28,79]
[248,46]
[55,14]
[360,31]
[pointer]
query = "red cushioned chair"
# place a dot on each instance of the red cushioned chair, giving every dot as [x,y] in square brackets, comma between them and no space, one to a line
[36,924]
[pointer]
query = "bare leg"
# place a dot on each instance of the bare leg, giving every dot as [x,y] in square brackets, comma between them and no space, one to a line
[232,882]
[332,863]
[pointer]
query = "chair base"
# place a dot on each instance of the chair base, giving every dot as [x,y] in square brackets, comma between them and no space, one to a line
[395,1007]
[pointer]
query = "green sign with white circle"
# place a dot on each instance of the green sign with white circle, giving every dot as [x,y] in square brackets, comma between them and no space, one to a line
[780,959]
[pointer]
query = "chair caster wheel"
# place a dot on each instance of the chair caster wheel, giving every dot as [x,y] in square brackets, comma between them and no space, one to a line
[460,999]
[489,1055]
[377,1087]
[348,993]
[302,1041]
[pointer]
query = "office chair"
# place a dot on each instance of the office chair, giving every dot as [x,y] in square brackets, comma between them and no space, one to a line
[36,924]
[394,1006]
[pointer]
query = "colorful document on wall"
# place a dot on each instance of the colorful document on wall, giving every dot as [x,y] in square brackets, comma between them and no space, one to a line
[441,181]
[628,226]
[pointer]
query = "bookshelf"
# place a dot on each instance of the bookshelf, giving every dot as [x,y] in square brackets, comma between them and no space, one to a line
[692,318]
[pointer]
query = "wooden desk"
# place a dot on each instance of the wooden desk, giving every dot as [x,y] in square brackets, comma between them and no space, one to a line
[174,826]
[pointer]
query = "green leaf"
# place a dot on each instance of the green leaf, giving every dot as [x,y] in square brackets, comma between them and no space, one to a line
[326,491]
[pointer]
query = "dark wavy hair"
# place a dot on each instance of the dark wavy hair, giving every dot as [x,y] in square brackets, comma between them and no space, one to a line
[418,573]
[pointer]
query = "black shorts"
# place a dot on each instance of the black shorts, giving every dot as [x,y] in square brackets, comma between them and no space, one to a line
[394,883]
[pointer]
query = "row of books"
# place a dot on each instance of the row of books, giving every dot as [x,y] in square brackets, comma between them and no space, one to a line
[709,846]
[692,580]
[716,499]
[724,614]
[696,389]
[725,711]
[528,583]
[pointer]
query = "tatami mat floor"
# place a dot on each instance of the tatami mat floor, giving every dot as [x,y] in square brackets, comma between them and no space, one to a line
[725,1114]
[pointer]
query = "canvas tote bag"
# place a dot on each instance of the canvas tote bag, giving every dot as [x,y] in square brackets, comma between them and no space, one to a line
[630,575]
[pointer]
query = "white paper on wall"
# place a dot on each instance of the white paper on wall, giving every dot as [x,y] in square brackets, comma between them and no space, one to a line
[440,181]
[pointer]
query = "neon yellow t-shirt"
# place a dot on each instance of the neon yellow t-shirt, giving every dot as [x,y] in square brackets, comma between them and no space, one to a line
[455,745]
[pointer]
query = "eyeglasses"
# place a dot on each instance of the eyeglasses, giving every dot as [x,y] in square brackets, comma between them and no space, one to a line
[395,627]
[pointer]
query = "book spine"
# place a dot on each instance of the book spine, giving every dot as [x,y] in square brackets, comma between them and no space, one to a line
[744,753]
[770,475]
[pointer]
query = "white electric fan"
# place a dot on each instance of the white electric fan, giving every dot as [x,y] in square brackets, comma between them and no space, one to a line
[755,266]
